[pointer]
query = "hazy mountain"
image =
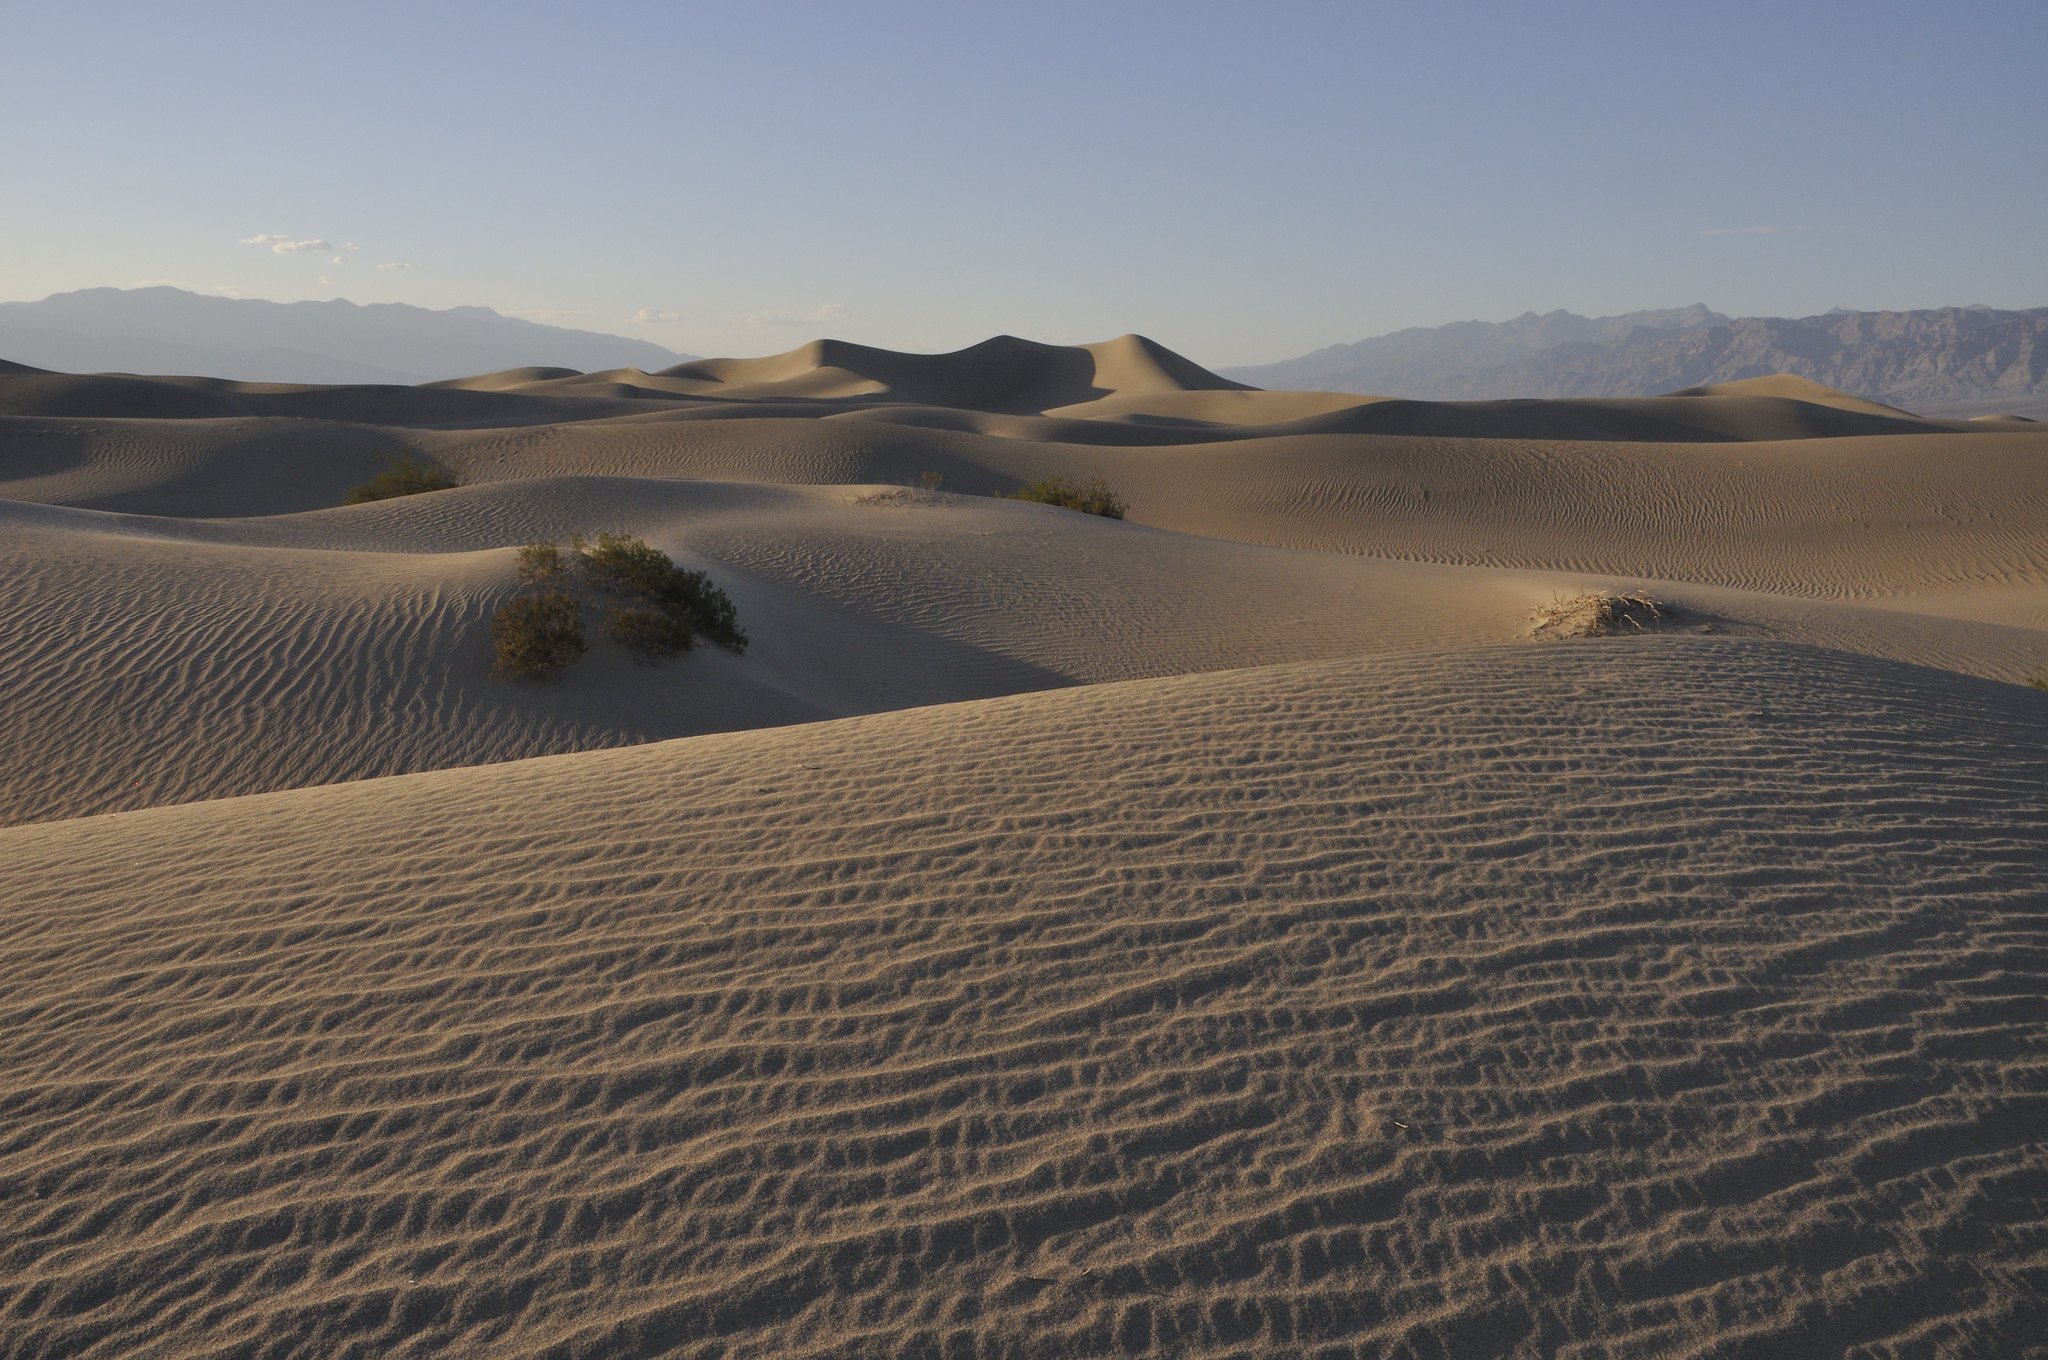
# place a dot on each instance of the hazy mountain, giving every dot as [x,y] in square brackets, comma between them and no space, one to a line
[168,330]
[1418,361]
[1943,355]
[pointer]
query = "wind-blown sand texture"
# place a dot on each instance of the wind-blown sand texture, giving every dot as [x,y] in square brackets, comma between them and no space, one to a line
[1226,932]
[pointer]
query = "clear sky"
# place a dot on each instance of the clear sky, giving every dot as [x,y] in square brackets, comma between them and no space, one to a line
[1243,182]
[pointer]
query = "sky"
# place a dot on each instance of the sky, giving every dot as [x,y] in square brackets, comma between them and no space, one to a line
[1242,182]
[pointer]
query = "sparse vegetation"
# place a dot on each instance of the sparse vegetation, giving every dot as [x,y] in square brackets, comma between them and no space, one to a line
[1599,613]
[537,636]
[2038,681]
[540,563]
[931,481]
[408,475]
[1096,498]
[652,607]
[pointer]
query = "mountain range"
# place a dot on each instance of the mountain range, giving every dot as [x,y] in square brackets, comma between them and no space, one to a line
[169,330]
[1945,356]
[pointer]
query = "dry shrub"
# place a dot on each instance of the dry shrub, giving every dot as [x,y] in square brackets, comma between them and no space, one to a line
[537,636]
[658,608]
[1599,613]
[1096,498]
[654,608]
[541,563]
[407,476]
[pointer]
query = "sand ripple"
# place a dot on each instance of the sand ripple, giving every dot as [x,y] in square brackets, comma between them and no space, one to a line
[1681,998]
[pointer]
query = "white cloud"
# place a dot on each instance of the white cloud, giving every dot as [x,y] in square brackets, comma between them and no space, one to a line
[1745,231]
[830,311]
[339,259]
[535,313]
[350,245]
[655,316]
[398,264]
[285,245]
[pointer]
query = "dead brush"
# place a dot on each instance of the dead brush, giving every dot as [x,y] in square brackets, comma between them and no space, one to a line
[1598,613]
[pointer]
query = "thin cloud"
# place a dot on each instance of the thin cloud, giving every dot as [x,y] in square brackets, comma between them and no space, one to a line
[397,264]
[655,316]
[830,311]
[286,245]
[1745,231]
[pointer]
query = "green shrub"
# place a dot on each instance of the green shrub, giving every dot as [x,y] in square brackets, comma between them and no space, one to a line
[537,636]
[659,607]
[654,608]
[541,563]
[407,476]
[2038,681]
[623,566]
[711,610]
[648,632]
[1096,498]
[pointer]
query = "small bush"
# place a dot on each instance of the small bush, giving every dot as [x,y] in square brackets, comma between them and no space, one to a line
[931,481]
[541,563]
[619,565]
[407,476]
[1096,498]
[660,607]
[648,632]
[537,636]
[1598,613]
[654,608]
[2038,681]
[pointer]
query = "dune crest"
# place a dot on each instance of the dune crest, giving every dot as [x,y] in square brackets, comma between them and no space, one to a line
[1001,374]
[1795,388]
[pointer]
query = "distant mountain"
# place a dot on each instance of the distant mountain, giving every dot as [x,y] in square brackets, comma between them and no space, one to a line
[168,330]
[1939,356]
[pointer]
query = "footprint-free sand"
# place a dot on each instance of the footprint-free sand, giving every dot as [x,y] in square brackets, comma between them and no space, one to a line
[1225,932]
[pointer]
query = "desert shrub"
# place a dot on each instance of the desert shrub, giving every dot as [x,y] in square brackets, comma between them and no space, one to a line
[537,636]
[1599,613]
[931,481]
[711,610]
[407,476]
[651,606]
[659,607]
[541,563]
[1096,498]
[2038,681]
[624,566]
[648,632]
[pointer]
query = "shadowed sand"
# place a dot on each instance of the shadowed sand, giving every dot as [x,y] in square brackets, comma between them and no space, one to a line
[1220,933]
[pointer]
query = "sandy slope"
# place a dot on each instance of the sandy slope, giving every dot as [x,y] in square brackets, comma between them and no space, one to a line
[1221,933]
[354,642]
[1665,997]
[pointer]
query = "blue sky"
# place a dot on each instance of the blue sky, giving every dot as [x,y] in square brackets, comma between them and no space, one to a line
[1243,182]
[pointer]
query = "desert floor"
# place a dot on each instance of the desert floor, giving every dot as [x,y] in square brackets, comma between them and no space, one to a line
[1236,930]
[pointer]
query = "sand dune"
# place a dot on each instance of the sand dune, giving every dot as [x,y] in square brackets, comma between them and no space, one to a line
[1450,1004]
[1792,387]
[353,642]
[1000,374]
[1221,933]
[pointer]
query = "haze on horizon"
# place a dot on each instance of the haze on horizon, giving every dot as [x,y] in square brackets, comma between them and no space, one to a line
[1243,184]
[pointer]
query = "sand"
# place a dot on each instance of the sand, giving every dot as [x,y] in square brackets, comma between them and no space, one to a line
[1224,932]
